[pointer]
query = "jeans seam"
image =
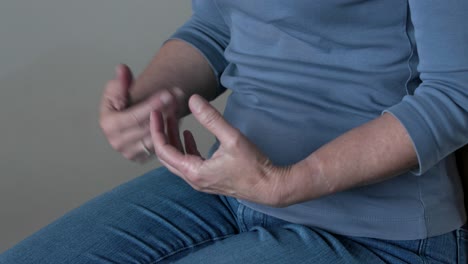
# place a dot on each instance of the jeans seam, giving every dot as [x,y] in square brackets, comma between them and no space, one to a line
[191,246]
[460,237]
[422,250]
[224,200]
[241,218]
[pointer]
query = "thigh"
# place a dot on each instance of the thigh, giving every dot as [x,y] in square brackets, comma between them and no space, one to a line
[462,239]
[146,220]
[282,245]
[293,243]
[271,240]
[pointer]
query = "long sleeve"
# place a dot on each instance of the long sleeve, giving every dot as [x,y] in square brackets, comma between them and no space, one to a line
[302,73]
[207,31]
[436,114]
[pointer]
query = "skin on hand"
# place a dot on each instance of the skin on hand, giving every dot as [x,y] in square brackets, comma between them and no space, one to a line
[177,71]
[374,152]
[236,169]
[126,126]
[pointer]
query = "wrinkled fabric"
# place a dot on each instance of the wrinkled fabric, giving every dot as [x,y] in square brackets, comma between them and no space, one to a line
[304,72]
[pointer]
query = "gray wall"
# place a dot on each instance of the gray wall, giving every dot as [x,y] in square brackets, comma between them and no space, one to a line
[55,57]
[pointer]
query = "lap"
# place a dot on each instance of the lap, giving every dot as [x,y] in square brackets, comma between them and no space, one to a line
[158,218]
[293,243]
[145,220]
[264,239]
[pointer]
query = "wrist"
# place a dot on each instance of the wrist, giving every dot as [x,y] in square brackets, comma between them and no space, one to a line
[301,182]
[279,191]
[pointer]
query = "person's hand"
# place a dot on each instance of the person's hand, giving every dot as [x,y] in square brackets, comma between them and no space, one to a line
[127,126]
[236,169]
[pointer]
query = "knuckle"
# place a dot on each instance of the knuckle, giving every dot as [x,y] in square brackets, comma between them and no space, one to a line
[234,141]
[210,117]
[163,97]
[109,126]
[116,144]
[167,95]
[129,156]
[104,126]
[178,93]
[196,179]
[166,100]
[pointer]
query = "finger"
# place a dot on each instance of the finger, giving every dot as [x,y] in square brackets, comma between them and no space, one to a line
[111,99]
[190,144]
[171,169]
[173,132]
[179,95]
[123,141]
[148,150]
[115,95]
[186,164]
[142,158]
[211,119]
[157,130]
[142,149]
[124,75]
[147,145]
[139,114]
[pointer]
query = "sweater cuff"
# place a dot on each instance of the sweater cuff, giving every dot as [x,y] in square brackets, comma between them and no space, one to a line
[420,134]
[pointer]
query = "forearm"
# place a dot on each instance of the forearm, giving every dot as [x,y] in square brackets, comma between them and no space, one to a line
[177,64]
[368,154]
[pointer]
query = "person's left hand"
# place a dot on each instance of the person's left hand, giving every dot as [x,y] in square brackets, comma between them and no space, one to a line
[236,169]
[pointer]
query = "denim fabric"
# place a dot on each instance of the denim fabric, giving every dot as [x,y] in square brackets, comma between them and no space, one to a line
[462,241]
[157,218]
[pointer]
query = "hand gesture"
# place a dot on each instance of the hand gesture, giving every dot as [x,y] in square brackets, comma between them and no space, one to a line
[126,126]
[236,169]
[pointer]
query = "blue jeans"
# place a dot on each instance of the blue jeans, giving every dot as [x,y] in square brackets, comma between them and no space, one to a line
[157,218]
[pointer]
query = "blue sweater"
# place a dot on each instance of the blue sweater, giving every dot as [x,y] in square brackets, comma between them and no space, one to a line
[304,72]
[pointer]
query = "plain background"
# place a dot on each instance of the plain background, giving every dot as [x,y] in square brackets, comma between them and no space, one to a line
[55,57]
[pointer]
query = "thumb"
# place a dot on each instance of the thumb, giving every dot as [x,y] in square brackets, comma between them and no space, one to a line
[211,119]
[119,96]
[124,75]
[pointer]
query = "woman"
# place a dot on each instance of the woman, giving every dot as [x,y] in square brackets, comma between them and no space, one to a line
[335,146]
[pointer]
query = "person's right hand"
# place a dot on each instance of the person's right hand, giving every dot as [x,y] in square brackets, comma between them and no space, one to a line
[127,126]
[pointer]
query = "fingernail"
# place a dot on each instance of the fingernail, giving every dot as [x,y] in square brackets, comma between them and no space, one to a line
[196,104]
[165,98]
[179,93]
